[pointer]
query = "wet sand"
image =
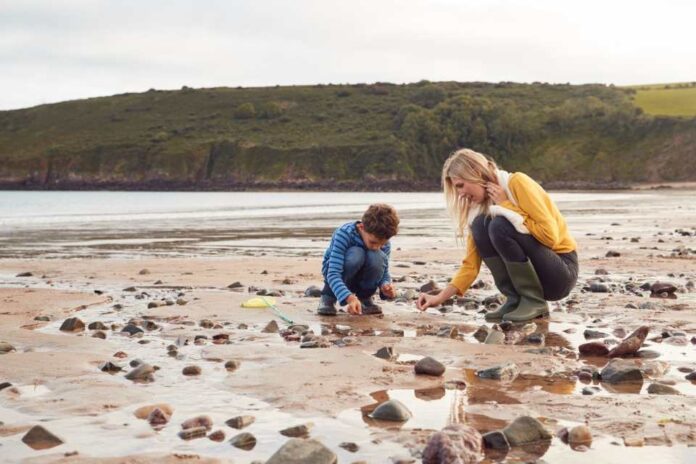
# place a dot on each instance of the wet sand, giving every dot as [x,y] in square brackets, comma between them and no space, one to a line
[56,381]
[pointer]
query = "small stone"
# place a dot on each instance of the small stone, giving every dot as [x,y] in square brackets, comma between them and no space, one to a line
[634,441]
[392,410]
[72,324]
[181,301]
[221,339]
[454,444]
[429,366]
[142,374]
[431,286]
[536,339]
[217,435]
[593,349]
[597,287]
[601,271]
[240,422]
[110,367]
[24,274]
[303,451]
[131,330]
[199,421]
[5,348]
[660,389]
[481,333]
[153,304]
[592,334]
[4,385]
[144,412]
[235,285]
[448,331]
[97,326]
[506,372]
[232,365]
[144,272]
[580,435]
[386,352]
[271,327]
[298,431]
[662,287]
[135,362]
[691,376]
[191,370]
[631,344]
[496,440]
[193,433]
[313,292]
[244,440]
[158,418]
[524,430]
[39,438]
[206,324]
[495,337]
[42,318]
[620,371]
[349,446]
[130,289]
[612,254]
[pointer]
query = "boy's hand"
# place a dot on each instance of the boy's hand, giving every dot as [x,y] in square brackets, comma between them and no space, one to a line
[353,305]
[426,301]
[388,291]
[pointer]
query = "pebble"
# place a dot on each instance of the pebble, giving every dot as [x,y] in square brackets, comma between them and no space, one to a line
[660,389]
[297,431]
[303,451]
[142,374]
[448,331]
[349,446]
[199,421]
[580,435]
[158,418]
[506,372]
[631,344]
[429,366]
[386,352]
[240,422]
[192,433]
[24,274]
[110,367]
[131,330]
[244,440]
[593,349]
[481,333]
[5,348]
[496,440]
[392,410]
[525,430]
[495,337]
[72,324]
[39,438]
[191,370]
[97,326]
[454,444]
[232,365]
[144,412]
[271,327]
[313,292]
[431,286]
[592,334]
[181,301]
[596,287]
[621,370]
[691,376]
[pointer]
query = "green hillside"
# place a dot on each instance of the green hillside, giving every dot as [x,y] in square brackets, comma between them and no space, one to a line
[340,136]
[667,99]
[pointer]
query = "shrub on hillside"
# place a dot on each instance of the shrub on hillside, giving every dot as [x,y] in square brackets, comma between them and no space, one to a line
[245,111]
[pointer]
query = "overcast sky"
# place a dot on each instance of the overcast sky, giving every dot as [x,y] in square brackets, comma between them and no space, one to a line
[57,50]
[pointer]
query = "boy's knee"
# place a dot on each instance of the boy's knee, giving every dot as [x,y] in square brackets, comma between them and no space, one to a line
[500,227]
[354,258]
[374,259]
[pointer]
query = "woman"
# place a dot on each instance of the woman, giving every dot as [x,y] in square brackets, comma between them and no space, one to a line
[516,229]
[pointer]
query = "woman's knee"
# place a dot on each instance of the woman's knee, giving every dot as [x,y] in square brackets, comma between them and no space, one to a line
[500,227]
[479,227]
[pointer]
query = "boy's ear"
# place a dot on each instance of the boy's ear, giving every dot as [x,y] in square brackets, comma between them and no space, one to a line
[361,226]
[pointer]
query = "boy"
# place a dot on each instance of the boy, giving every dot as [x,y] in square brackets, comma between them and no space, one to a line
[356,263]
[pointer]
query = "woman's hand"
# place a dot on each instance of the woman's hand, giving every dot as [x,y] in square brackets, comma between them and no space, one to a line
[426,301]
[496,193]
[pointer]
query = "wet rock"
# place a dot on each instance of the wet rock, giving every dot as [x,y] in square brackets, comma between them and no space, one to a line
[130,289]
[144,412]
[271,327]
[386,352]
[612,254]
[181,301]
[634,441]
[655,369]
[313,292]
[601,271]
[217,435]
[661,389]
[598,287]
[592,334]
[110,367]
[429,366]
[662,290]
[392,410]
[232,365]
[593,349]
[448,331]
[206,323]
[143,374]
[244,440]
[191,370]
[524,430]
[621,370]
[199,421]
[496,440]
[631,344]
[221,339]
[297,431]
[135,362]
[236,286]
[42,318]
[131,330]
[495,337]
[589,390]
[481,333]
[39,438]
[349,446]
[5,348]
[691,376]
[99,334]
[580,435]
[97,326]
[536,339]
[506,372]
[240,422]
[193,433]
[455,444]
[496,300]
[154,304]
[430,287]
[158,418]
[72,324]
[24,274]
[4,385]
[303,451]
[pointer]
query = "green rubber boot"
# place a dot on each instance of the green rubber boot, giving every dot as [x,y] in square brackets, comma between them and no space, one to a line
[504,284]
[526,281]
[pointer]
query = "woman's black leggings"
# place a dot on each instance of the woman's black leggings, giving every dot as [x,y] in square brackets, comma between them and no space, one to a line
[496,236]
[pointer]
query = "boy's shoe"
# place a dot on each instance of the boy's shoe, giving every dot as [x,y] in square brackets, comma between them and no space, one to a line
[369,308]
[327,306]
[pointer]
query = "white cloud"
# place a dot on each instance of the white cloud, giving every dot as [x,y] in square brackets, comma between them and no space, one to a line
[52,51]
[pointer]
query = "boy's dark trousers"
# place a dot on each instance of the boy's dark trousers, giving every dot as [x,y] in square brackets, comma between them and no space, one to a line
[362,272]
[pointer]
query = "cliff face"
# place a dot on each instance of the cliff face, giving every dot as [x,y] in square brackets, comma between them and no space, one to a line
[377,136]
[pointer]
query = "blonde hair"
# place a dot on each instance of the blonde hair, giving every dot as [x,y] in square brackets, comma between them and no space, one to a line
[472,167]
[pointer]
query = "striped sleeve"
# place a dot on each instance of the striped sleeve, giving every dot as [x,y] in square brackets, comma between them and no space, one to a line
[386,278]
[337,256]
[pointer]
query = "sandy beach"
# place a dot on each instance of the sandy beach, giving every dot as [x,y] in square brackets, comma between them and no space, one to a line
[182,312]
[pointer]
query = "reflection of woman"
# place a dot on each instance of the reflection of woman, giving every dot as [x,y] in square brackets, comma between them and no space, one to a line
[516,229]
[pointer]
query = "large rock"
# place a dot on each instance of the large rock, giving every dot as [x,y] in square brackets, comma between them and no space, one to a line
[429,366]
[506,372]
[300,451]
[631,344]
[39,438]
[455,444]
[620,371]
[392,410]
[524,430]
[72,324]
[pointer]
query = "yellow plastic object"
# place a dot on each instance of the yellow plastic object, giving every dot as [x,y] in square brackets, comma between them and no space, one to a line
[259,303]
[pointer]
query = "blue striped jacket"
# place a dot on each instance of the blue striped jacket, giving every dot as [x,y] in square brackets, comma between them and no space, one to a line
[343,238]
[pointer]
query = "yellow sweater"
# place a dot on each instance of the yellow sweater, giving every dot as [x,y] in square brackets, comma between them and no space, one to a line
[538,213]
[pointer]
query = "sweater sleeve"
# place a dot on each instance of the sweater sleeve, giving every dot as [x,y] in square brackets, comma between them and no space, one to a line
[471,265]
[386,277]
[534,205]
[337,257]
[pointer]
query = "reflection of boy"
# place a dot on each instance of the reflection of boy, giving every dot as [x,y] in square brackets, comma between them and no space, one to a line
[356,263]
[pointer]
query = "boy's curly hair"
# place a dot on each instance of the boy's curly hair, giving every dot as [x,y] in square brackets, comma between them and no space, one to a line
[381,221]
